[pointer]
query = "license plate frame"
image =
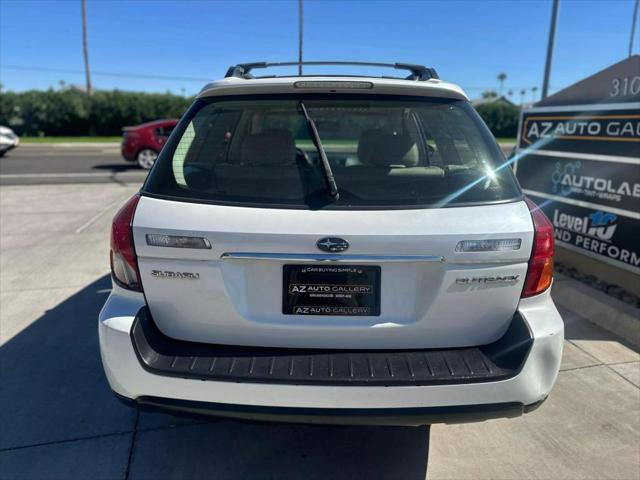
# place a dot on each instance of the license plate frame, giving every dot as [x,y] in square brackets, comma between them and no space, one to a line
[336,290]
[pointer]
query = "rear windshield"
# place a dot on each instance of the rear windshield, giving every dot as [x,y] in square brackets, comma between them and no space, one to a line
[384,153]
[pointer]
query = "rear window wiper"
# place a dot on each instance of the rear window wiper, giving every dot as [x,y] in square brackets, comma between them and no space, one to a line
[326,166]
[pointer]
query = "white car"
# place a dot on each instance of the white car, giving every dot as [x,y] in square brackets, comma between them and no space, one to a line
[332,249]
[8,140]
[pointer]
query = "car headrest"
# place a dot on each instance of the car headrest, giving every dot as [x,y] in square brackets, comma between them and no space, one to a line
[382,148]
[272,147]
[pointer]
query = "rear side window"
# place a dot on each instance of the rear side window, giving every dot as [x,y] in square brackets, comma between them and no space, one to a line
[164,131]
[384,153]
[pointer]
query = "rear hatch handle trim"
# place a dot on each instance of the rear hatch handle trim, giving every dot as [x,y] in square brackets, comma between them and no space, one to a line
[315,257]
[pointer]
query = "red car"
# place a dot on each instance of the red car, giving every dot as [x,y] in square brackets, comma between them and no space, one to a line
[142,143]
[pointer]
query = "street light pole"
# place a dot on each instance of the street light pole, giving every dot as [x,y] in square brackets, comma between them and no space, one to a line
[85,47]
[552,38]
[633,26]
[300,35]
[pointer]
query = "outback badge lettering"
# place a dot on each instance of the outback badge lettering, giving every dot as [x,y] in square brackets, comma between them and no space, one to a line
[491,279]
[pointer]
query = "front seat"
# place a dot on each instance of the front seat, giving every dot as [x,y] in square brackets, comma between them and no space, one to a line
[394,156]
[389,165]
[381,148]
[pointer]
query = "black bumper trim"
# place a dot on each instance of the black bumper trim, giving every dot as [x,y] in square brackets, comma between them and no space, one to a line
[497,361]
[335,416]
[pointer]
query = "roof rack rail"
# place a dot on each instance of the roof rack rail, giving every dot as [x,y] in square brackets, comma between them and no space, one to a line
[418,72]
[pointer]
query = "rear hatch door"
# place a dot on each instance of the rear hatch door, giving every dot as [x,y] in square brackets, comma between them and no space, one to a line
[238,291]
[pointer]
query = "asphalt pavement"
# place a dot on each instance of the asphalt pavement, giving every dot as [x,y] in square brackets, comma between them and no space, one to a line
[58,419]
[67,163]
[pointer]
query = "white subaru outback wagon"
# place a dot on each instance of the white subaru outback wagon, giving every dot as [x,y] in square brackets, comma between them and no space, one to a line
[332,249]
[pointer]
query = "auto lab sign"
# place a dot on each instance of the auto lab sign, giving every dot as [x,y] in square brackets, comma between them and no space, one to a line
[581,163]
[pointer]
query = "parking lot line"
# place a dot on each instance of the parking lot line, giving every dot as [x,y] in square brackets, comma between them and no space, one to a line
[93,219]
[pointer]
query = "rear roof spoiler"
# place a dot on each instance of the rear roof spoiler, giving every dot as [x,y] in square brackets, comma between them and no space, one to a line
[418,72]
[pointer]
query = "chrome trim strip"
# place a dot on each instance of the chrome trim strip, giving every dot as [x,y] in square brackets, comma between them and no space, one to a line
[489,261]
[319,257]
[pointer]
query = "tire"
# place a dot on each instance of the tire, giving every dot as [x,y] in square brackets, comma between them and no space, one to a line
[146,158]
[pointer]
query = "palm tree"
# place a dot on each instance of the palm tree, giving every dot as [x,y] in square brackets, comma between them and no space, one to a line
[522,94]
[501,78]
[510,93]
[533,93]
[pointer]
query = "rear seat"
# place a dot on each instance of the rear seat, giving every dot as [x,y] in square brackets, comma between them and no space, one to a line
[267,163]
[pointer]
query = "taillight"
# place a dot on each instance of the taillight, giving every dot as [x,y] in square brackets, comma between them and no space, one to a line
[540,271]
[124,263]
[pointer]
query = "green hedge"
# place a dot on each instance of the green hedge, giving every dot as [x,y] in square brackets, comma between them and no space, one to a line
[500,117]
[71,112]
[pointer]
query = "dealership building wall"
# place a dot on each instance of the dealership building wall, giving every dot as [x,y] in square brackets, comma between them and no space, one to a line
[578,158]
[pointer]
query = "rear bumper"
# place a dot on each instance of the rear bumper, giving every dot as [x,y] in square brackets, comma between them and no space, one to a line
[334,416]
[410,403]
[162,355]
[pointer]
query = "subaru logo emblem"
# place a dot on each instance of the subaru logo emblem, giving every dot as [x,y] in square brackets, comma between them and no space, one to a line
[332,244]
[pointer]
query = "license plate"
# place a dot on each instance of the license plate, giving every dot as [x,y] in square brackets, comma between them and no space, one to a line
[345,290]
